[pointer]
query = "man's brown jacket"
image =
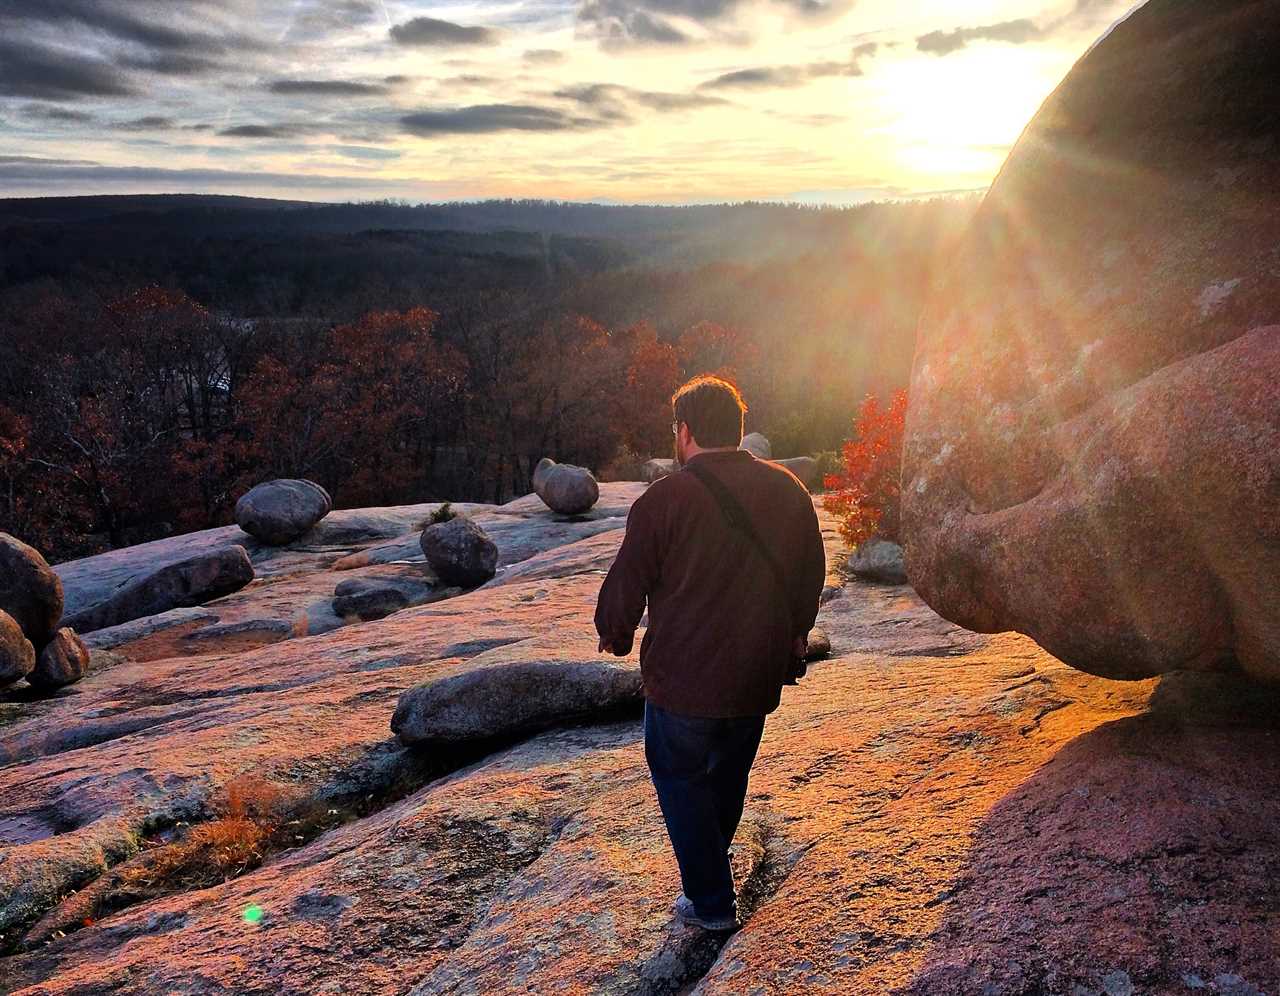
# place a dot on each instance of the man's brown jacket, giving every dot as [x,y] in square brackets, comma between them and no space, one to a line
[721,630]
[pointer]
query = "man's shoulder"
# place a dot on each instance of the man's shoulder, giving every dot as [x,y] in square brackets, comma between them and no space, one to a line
[665,491]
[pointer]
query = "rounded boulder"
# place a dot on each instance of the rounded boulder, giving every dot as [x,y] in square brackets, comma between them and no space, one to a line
[17,655]
[63,662]
[30,591]
[460,552]
[279,512]
[879,560]
[565,488]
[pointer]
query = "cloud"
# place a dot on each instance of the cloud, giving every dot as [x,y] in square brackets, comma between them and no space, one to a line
[26,172]
[328,88]
[623,23]
[366,152]
[65,115]
[41,161]
[613,103]
[620,24]
[1017,32]
[544,56]
[782,77]
[325,17]
[1083,14]
[29,70]
[435,32]
[487,118]
[263,131]
[171,63]
[151,122]
[111,17]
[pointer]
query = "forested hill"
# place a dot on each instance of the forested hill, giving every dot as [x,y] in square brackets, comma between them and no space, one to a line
[204,342]
[696,233]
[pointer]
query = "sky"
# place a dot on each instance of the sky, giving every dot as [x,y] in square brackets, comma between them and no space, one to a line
[627,101]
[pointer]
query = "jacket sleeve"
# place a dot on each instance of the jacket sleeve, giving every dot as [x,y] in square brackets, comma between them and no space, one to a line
[812,574]
[633,575]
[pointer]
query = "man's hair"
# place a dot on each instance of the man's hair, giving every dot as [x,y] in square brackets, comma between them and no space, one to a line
[713,410]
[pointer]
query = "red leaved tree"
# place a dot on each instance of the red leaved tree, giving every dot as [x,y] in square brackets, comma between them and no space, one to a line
[867,495]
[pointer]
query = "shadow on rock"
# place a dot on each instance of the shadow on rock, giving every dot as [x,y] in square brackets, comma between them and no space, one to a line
[1143,858]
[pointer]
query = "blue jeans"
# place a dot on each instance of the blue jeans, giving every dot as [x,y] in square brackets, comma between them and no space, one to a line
[699,767]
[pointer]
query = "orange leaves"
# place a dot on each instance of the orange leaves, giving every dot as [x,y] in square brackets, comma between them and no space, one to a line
[866,496]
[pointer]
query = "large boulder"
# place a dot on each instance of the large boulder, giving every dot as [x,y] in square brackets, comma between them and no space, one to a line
[565,488]
[17,655]
[460,552]
[29,590]
[279,512]
[183,584]
[64,661]
[757,445]
[879,560]
[515,689]
[1093,446]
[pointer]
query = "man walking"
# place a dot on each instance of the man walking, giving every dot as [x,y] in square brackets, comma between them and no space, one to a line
[728,555]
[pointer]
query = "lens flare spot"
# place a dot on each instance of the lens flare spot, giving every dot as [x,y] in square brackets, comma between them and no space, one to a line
[253,914]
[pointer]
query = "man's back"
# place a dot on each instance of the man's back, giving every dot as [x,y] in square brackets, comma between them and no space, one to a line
[721,629]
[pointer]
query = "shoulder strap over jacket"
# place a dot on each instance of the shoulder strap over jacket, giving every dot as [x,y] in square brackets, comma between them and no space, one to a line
[738,519]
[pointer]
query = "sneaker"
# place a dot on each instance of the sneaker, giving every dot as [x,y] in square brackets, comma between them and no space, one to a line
[685,911]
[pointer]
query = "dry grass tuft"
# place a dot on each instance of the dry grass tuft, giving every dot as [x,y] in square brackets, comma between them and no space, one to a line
[252,818]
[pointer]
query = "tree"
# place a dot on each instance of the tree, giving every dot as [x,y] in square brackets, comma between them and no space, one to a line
[652,377]
[866,496]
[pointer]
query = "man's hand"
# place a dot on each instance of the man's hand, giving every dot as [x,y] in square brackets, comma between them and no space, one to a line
[616,647]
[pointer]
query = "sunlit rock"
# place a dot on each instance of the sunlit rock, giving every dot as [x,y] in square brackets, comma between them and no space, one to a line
[1093,445]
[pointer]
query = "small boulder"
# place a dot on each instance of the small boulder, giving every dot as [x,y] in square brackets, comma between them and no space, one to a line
[17,655]
[565,488]
[279,512]
[30,591]
[63,662]
[460,552]
[183,584]
[805,468]
[367,599]
[819,645]
[757,445]
[878,560]
[514,689]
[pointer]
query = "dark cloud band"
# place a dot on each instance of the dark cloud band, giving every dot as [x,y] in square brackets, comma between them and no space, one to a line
[431,31]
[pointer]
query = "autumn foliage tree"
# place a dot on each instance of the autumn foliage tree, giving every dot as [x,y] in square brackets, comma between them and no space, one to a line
[127,417]
[866,495]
